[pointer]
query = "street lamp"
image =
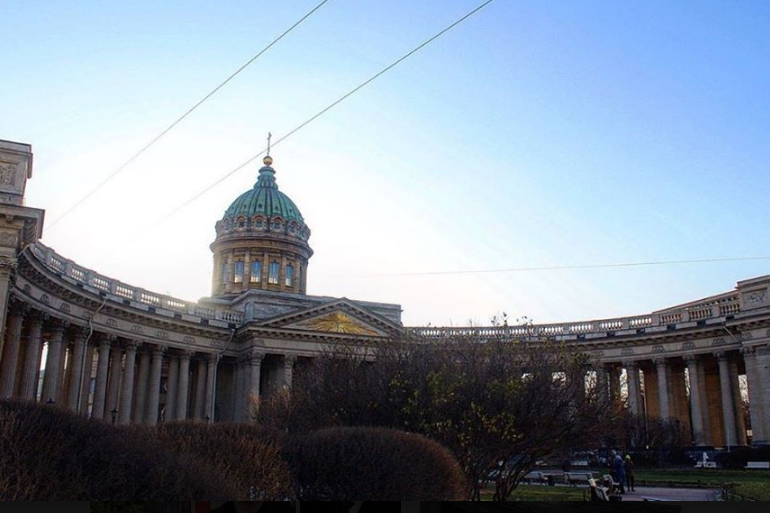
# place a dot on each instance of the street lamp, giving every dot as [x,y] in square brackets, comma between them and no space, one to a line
[114,415]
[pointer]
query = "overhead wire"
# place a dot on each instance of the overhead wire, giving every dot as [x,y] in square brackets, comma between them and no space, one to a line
[181,118]
[305,123]
[566,267]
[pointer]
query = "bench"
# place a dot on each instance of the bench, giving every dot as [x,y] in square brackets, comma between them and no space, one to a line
[536,477]
[757,465]
[706,464]
[576,478]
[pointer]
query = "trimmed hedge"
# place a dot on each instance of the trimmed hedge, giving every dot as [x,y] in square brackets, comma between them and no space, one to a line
[241,453]
[364,463]
[47,453]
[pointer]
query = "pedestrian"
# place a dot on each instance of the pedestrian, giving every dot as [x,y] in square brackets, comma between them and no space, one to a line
[620,472]
[629,467]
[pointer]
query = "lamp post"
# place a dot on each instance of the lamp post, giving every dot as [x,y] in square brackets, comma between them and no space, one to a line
[114,413]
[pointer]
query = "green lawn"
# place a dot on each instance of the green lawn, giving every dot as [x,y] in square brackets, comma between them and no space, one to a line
[543,493]
[754,484]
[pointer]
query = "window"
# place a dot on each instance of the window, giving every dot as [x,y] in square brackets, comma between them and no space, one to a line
[238,278]
[289,275]
[273,277]
[256,272]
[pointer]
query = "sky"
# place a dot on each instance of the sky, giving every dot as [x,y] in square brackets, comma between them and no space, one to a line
[534,134]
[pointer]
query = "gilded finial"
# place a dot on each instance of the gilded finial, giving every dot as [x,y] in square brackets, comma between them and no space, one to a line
[268,160]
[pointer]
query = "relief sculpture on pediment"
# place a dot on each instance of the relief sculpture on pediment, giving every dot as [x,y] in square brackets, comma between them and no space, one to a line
[337,322]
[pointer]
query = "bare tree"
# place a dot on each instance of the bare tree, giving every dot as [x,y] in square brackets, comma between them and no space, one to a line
[499,406]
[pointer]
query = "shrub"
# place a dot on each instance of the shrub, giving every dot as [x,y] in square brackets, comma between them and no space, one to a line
[364,463]
[240,453]
[50,454]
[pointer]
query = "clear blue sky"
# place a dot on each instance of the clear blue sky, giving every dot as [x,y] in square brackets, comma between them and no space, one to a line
[535,134]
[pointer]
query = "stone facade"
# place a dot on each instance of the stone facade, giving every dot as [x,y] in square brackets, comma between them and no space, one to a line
[128,355]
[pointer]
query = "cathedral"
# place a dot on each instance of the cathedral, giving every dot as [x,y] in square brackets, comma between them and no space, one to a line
[92,344]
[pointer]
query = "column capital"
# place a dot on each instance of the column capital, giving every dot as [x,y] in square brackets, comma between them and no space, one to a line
[690,358]
[633,365]
[289,360]
[18,307]
[186,354]
[720,355]
[80,331]
[254,356]
[748,352]
[133,345]
[659,361]
[57,326]
[158,349]
[38,316]
[105,340]
[214,357]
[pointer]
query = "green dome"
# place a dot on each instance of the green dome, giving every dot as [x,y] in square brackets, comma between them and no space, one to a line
[264,199]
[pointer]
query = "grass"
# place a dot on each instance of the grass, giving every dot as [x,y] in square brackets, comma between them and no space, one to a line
[753,484]
[543,493]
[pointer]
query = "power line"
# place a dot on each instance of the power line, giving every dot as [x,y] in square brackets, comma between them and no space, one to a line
[182,117]
[316,116]
[567,267]
[328,108]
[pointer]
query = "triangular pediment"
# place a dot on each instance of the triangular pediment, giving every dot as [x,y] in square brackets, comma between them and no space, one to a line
[341,316]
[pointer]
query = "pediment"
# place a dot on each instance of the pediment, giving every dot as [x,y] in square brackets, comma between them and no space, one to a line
[340,316]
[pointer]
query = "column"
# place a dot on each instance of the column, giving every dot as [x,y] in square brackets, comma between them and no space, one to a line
[127,384]
[634,391]
[211,382]
[88,369]
[239,389]
[76,368]
[762,366]
[728,407]
[171,388]
[113,384]
[740,421]
[661,370]
[151,417]
[52,364]
[288,370]
[265,268]
[614,375]
[140,400]
[255,376]
[602,384]
[200,389]
[184,382]
[102,370]
[32,357]
[229,273]
[695,399]
[11,352]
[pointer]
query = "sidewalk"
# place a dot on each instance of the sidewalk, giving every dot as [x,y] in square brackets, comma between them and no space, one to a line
[671,494]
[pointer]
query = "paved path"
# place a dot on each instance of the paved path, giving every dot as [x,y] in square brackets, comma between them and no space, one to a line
[671,494]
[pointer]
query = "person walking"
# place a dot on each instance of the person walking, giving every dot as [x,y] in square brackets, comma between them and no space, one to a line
[629,467]
[620,472]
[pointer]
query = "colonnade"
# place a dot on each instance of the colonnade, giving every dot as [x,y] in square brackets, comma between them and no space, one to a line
[127,381]
[701,390]
[106,377]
